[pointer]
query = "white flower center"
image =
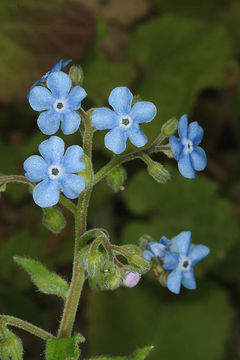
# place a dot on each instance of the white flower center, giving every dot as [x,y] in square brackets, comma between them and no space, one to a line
[125,122]
[54,171]
[59,105]
[188,146]
[184,263]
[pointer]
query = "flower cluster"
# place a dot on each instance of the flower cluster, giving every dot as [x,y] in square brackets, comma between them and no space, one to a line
[178,256]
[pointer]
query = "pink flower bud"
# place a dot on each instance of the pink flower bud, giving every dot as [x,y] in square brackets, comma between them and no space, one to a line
[131,279]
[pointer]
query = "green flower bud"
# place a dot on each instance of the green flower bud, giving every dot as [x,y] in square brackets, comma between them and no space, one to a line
[87,173]
[53,219]
[170,127]
[10,347]
[94,261]
[108,279]
[158,172]
[136,259]
[113,281]
[83,256]
[76,74]
[168,153]
[144,240]
[116,178]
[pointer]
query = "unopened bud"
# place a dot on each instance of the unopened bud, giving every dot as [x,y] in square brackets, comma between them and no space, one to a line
[76,74]
[170,127]
[136,259]
[136,98]
[10,347]
[144,240]
[131,279]
[116,178]
[53,219]
[158,172]
[94,261]
[87,172]
[168,153]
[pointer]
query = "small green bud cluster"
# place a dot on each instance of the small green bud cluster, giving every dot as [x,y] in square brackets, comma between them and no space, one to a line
[135,258]
[76,74]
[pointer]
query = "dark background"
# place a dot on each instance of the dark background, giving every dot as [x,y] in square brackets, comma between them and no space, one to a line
[183,56]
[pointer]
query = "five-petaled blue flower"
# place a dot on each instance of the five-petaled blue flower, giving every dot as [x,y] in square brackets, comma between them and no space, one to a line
[57,67]
[57,105]
[180,259]
[186,151]
[156,249]
[55,170]
[124,120]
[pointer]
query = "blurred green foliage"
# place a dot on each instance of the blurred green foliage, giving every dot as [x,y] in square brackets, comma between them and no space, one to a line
[183,56]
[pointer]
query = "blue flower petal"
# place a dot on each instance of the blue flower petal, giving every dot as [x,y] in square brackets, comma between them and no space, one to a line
[40,98]
[198,158]
[157,249]
[147,255]
[104,118]
[183,127]
[195,133]
[115,140]
[70,121]
[36,168]
[72,185]
[170,261]
[181,243]
[174,281]
[185,166]
[59,83]
[137,136]
[176,146]
[46,193]
[60,65]
[72,162]
[188,279]
[198,252]
[121,99]
[143,111]
[49,122]
[52,150]
[75,97]
[165,241]
[65,63]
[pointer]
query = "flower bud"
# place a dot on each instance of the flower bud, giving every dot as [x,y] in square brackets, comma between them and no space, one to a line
[87,173]
[10,347]
[136,259]
[83,256]
[112,281]
[131,279]
[94,261]
[53,219]
[136,98]
[108,279]
[76,74]
[168,153]
[158,172]
[116,178]
[144,240]
[170,127]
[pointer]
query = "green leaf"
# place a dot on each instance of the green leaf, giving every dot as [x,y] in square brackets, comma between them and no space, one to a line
[181,205]
[174,324]
[64,349]
[139,354]
[171,62]
[10,346]
[46,281]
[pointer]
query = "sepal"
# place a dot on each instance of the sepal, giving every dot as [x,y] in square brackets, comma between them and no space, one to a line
[158,172]
[64,349]
[170,127]
[139,354]
[10,346]
[46,281]
[87,172]
[53,219]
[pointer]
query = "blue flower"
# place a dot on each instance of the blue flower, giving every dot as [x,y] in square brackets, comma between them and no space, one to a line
[181,257]
[55,170]
[124,120]
[156,249]
[57,105]
[186,151]
[57,67]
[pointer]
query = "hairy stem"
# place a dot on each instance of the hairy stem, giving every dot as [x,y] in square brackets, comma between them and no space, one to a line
[6,320]
[78,276]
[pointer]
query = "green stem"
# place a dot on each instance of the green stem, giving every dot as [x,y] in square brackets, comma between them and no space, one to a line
[4,179]
[21,324]
[78,276]
[68,204]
